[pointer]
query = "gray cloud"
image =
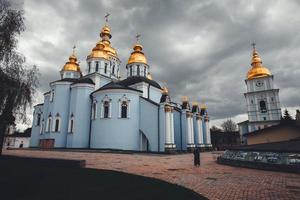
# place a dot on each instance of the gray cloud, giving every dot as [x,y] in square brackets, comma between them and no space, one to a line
[199,48]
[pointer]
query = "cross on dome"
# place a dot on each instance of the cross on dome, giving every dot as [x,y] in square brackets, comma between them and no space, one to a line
[106,17]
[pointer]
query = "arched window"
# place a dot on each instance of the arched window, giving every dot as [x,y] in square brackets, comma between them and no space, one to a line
[138,70]
[94,110]
[97,66]
[130,69]
[263,107]
[145,71]
[89,66]
[105,68]
[56,127]
[113,69]
[48,125]
[124,108]
[38,119]
[106,109]
[71,124]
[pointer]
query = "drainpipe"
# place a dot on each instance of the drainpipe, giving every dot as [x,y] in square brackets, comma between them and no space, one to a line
[90,130]
[158,144]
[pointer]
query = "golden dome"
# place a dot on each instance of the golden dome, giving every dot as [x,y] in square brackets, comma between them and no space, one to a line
[103,49]
[99,51]
[105,31]
[195,103]
[137,55]
[257,70]
[72,64]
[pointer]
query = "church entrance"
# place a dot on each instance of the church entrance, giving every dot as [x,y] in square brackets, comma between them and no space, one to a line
[47,143]
[144,143]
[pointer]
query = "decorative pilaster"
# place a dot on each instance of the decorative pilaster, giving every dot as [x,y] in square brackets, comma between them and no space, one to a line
[208,140]
[169,125]
[200,142]
[190,131]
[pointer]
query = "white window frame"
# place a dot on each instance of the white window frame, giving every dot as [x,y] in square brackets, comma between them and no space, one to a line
[71,126]
[106,99]
[57,117]
[94,110]
[124,98]
[48,124]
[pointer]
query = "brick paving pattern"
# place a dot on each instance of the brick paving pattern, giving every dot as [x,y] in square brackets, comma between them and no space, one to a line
[210,179]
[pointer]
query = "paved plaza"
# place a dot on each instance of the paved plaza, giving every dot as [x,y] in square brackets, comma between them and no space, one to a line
[211,179]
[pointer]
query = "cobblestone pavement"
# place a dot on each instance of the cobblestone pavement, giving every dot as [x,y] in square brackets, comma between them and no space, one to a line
[211,179]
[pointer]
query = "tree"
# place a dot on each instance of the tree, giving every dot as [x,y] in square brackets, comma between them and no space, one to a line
[229,126]
[18,81]
[215,129]
[286,115]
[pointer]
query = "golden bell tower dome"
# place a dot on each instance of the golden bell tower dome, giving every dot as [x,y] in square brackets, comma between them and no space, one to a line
[257,70]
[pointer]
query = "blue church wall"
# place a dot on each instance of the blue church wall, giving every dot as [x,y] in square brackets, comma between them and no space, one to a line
[184,130]
[149,123]
[177,129]
[80,106]
[115,132]
[60,106]
[35,131]
[154,94]
[204,130]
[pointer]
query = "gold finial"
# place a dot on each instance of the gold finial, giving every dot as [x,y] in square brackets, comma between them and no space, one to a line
[149,76]
[195,103]
[106,17]
[164,90]
[185,99]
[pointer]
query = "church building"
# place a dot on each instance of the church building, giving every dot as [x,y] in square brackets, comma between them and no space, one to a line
[101,110]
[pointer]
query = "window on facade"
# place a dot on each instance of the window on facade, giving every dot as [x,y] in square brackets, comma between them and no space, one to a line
[71,125]
[105,68]
[252,101]
[49,124]
[38,119]
[56,128]
[145,71]
[265,118]
[138,70]
[113,69]
[97,66]
[263,107]
[130,69]
[106,109]
[89,63]
[52,95]
[124,107]
[94,112]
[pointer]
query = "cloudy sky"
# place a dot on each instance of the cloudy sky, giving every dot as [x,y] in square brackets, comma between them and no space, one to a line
[200,49]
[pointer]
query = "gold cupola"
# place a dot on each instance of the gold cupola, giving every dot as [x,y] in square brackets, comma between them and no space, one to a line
[103,48]
[72,64]
[257,70]
[137,56]
[99,52]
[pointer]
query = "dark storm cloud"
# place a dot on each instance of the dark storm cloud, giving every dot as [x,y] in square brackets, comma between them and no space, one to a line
[199,48]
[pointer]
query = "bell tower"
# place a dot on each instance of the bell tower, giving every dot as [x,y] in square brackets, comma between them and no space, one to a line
[262,99]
